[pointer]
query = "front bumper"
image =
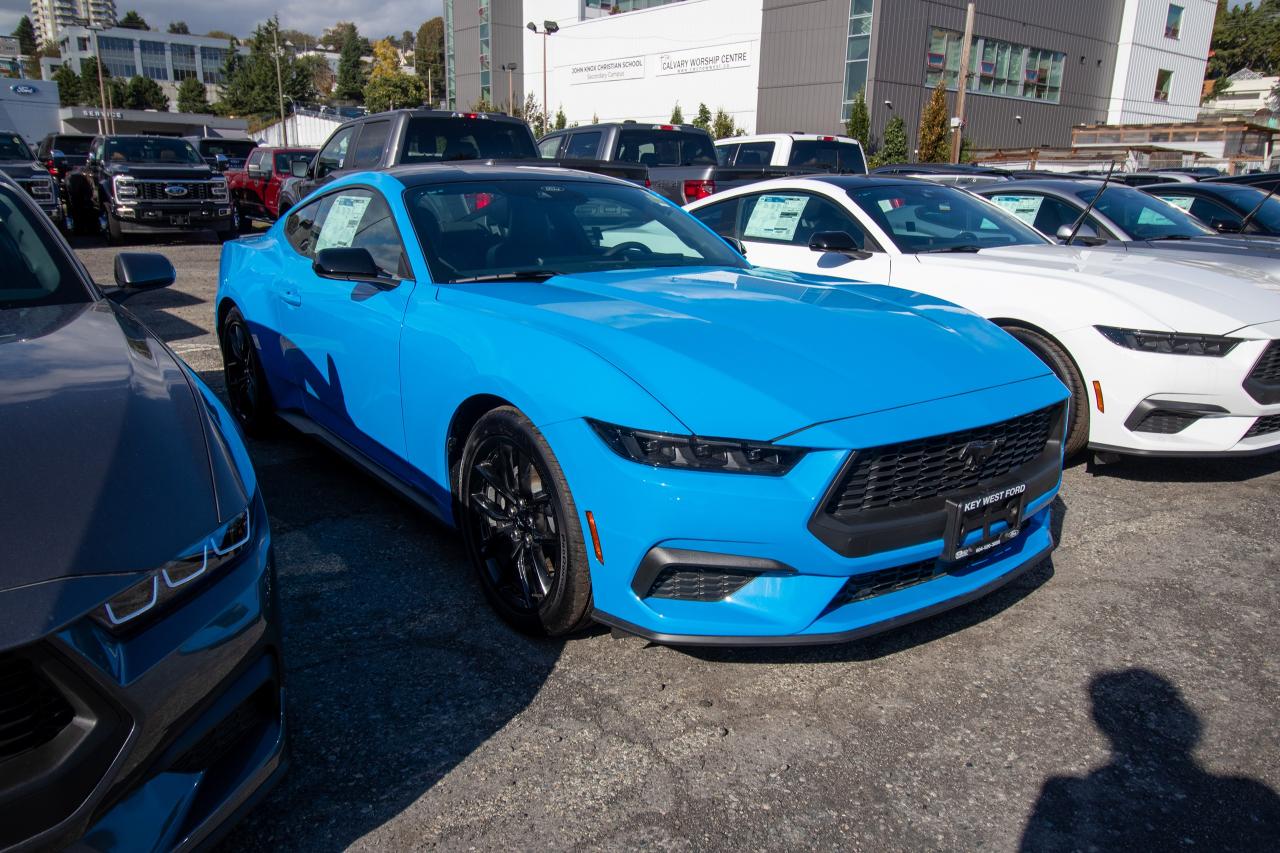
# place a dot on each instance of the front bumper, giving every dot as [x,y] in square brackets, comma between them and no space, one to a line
[768,578]
[150,217]
[179,726]
[1172,405]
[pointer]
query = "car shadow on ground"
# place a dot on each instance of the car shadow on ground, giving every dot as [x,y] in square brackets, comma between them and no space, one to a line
[1153,794]
[1226,469]
[396,669]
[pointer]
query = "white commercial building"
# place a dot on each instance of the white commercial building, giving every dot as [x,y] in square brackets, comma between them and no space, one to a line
[1160,61]
[51,17]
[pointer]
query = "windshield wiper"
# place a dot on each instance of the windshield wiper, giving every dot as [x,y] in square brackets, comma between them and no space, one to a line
[517,275]
[966,248]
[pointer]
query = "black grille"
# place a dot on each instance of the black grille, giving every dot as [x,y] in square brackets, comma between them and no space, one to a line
[900,474]
[155,190]
[44,186]
[1166,423]
[1264,426]
[32,711]
[696,584]
[1263,382]
[871,584]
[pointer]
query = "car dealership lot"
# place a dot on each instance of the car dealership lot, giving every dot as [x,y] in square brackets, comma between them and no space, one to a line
[419,720]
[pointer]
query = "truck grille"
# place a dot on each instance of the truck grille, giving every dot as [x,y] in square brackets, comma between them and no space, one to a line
[896,475]
[41,189]
[156,190]
[1263,382]
[32,710]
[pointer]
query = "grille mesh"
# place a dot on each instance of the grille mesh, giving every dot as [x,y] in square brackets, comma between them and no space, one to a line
[899,474]
[1264,426]
[885,581]
[1166,423]
[696,584]
[1267,370]
[154,190]
[32,711]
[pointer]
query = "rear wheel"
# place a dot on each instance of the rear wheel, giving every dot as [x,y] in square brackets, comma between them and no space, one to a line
[521,527]
[1052,354]
[247,389]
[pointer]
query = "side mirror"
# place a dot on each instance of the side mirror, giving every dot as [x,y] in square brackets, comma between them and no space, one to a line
[736,244]
[839,242]
[348,265]
[299,169]
[1223,226]
[143,271]
[1086,236]
[254,172]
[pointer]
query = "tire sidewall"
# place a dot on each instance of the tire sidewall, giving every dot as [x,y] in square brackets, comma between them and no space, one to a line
[262,407]
[1060,362]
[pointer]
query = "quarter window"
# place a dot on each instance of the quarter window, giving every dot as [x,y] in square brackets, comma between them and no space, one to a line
[334,155]
[373,139]
[583,146]
[304,225]
[549,147]
[721,218]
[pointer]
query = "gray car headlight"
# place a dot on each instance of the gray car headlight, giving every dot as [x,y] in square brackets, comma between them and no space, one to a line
[691,452]
[1172,343]
[163,586]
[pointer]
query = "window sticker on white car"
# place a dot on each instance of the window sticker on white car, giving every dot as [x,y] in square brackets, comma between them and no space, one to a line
[1025,207]
[340,225]
[775,217]
[1181,202]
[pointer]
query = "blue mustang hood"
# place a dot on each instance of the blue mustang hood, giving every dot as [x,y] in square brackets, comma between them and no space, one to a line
[760,354]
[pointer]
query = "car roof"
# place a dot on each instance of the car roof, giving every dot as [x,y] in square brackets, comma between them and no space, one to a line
[1066,186]
[850,182]
[795,135]
[939,169]
[420,174]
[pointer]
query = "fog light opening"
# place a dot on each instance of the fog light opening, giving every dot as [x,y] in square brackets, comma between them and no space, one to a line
[595,537]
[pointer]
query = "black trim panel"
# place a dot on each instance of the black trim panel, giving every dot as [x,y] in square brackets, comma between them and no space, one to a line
[1184,454]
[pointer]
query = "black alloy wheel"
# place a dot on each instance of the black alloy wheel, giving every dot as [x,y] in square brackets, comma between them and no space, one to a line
[246,385]
[520,528]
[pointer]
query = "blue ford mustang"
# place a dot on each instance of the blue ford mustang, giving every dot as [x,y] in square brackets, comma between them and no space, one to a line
[628,423]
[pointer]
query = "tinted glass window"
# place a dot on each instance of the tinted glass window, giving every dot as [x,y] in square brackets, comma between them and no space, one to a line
[360,219]
[428,140]
[794,218]
[149,149]
[754,154]
[255,159]
[36,270]
[665,148]
[550,146]
[77,146]
[833,156]
[923,218]
[284,158]
[724,154]
[1245,199]
[1044,213]
[304,225]
[13,147]
[373,138]
[233,148]
[334,154]
[483,228]
[583,146]
[1142,216]
[721,218]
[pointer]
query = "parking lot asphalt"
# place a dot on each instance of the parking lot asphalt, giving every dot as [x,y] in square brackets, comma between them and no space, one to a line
[1123,695]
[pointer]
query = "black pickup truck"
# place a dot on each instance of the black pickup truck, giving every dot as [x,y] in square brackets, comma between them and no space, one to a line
[399,137]
[147,184]
[17,161]
[680,158]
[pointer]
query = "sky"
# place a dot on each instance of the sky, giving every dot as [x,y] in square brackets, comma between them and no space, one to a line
[375,19]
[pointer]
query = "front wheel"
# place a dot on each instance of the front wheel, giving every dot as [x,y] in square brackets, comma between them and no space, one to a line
[111,227]
[247,389]
[521,528]
[1056,358]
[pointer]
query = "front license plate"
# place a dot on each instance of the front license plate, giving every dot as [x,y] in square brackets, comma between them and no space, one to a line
[997,514]
[180,220]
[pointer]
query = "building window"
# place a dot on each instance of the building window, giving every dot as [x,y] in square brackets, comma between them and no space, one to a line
[183,57]
[996,67]
[450,76]
[153,64]
[1164,80]
[117,56]
[1173,23]
[486,78]
[857,53]
[211,61]
[82,42]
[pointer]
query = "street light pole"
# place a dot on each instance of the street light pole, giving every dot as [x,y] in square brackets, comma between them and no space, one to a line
[548,28]
[511,92]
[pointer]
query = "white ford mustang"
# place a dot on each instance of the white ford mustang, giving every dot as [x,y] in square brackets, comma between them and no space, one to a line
[1162,356]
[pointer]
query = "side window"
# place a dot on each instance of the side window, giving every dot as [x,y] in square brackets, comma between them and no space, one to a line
[549,147]
[583,146]
[255,159]
[725,154]
[1042,213]
[373,139]
[755,154]
[793,218]
[334,155]
[303,226]
[721,218]
[1212,213]
[361,219]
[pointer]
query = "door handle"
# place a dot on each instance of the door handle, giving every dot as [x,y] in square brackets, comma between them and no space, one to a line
[292,297]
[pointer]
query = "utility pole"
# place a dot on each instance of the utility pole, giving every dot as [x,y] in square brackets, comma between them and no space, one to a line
[962,85]
[275,41]
[511,92]
[102,89]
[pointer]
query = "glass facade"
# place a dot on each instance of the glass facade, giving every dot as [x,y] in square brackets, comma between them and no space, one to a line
[211,61]
[486,72]
[117,56]
[857,56]
[996,67]
[450,76]
[153,61]
[183,57]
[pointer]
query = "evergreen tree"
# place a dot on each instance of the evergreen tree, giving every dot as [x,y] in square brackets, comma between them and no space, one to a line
[934,145]
[703,119]
[251,88]
[192,98]
[428,57]
[561,120]
[895,148]
[143,93]
[722,125]
[677,117]
[70,93]
[351,76]
[859,124]
[179,28]
[132,21]
[90,93]
[1246,36]
[25,33]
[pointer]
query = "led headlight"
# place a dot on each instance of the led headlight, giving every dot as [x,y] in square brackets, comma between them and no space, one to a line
[125,187]
[162,586]
[1172,343]
[665,450]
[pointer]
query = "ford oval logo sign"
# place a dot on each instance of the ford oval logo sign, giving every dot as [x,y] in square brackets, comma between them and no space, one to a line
[23,89]
[175,191]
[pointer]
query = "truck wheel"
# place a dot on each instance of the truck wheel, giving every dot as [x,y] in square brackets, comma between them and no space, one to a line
[112,227]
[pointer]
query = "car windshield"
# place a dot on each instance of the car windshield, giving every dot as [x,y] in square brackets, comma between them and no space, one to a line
[37,270]
[284,158]
[75,146]
[533,229]
[656,147]
[435,140]
[152,150]
[12,147]
[233,148]
[928,218]
[1141,216]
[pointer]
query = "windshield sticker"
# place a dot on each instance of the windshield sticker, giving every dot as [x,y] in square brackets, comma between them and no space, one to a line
[775,217]
[340,225]
[1025,207]
[1151,216]
[1183,203]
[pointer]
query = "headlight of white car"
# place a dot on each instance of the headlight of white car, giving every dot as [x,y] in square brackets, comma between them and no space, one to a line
[1172,343]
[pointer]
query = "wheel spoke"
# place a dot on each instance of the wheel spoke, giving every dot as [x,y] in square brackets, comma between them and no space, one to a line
[520,556]
[492,511]
[495,483]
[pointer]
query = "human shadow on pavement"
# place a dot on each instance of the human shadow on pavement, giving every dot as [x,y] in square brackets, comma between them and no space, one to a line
[1153,795]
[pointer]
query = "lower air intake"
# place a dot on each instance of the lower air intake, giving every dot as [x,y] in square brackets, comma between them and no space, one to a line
[697,584]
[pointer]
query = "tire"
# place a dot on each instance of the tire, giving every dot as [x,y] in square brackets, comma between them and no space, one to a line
[520,527]
[247,390]
[113,230]
[231,232]
[1052,354]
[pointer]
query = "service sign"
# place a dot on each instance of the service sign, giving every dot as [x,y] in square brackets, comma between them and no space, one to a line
[622,68]
[701,59]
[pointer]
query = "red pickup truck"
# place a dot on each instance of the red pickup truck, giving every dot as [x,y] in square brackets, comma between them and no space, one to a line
[255,189]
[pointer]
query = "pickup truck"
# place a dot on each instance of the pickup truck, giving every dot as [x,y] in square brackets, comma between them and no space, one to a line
[402,137]
[255,189]
[147,184]
[222,154]
[62,154]
[17,161]
[681,158]
[841,155]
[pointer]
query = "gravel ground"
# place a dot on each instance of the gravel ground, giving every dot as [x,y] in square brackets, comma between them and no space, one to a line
[1122,696]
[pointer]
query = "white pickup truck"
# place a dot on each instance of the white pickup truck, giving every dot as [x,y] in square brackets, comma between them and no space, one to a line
[838,154]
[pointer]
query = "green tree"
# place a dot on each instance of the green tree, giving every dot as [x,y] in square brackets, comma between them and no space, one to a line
[934,145]
[1246,36]
[317,74]
[677,117]
[69,83]
[722,126]
[561,120]
[132,21]
[192,98]
[351,75]
[388,87]
[894,148]
[428,57]
[703,119]
[90,92]
[859,124]
[179,28]
[143,93]
[25,33]
[251,88]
